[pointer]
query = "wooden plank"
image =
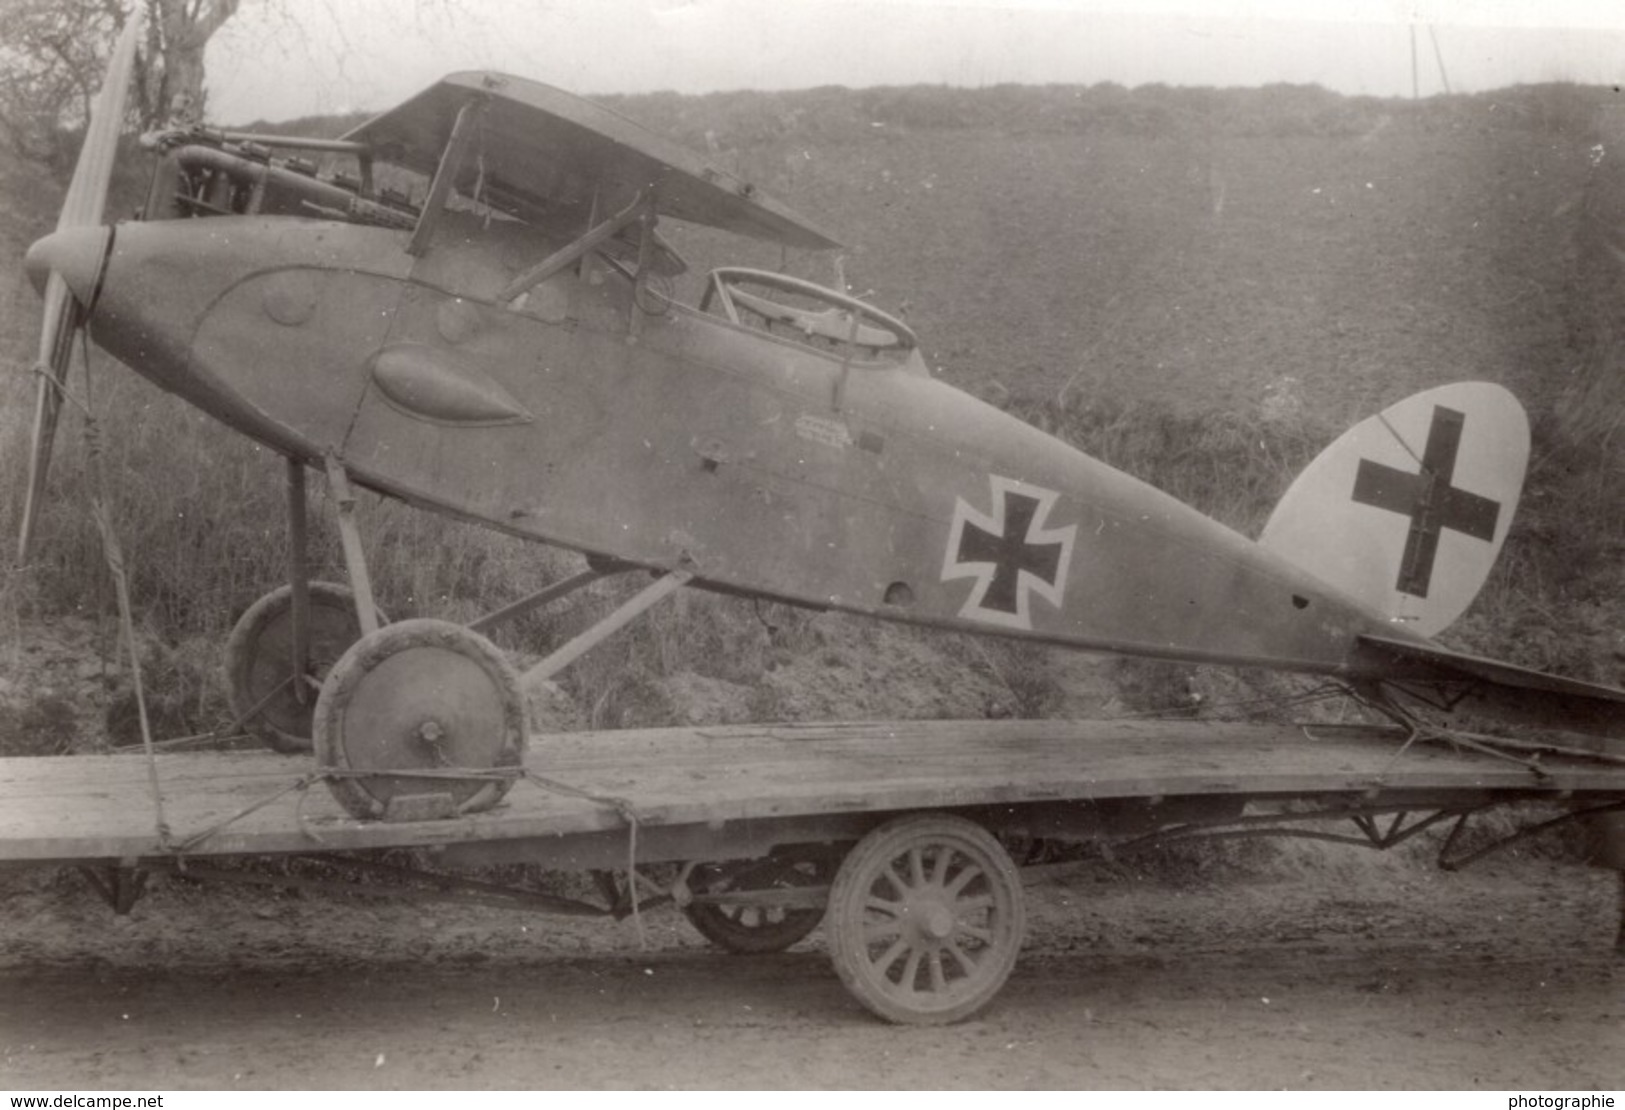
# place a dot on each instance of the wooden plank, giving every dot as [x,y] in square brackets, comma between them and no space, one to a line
[98,807]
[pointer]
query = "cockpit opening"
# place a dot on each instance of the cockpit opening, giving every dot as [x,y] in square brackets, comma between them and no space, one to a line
[794,308]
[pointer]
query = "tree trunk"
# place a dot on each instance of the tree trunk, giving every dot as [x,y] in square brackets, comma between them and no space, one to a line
[184,28]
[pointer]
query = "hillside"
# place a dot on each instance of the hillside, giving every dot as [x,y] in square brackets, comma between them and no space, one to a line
[1191,245]
[1155,264]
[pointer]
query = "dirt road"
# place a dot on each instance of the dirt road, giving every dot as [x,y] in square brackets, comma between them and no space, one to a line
[1332,970]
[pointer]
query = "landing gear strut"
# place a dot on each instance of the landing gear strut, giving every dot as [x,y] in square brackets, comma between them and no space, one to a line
[417,720]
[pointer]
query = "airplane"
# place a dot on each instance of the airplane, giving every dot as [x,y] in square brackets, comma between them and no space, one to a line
[478,321]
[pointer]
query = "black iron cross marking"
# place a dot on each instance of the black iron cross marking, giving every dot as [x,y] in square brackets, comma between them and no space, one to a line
[1011,553]
[1428,498]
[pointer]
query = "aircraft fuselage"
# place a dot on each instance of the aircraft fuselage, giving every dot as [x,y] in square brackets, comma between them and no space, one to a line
[760,463]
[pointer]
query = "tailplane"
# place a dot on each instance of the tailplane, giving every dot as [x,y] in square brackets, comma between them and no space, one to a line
[1518,695]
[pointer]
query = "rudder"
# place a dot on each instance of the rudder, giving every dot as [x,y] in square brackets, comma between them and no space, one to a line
[1407,510]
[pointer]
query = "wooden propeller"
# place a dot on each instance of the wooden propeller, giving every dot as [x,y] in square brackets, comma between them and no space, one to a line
[63,313]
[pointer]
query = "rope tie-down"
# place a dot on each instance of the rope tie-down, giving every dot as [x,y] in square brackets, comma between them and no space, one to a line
[113,556]
[623,807]
[178,848]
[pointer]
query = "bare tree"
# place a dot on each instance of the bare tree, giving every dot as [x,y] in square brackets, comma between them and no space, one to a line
[178,32]
[51,60]
[54,52]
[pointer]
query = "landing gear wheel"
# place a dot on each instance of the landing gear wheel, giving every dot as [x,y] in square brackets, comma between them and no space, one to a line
[421,695]
[751,930]
[260,683]
[925,919]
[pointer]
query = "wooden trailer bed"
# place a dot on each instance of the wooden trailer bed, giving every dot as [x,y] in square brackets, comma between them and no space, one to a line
[703,781]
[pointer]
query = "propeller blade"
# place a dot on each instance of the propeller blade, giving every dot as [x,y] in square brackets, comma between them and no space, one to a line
[83,206]
[87,193]
[56,335]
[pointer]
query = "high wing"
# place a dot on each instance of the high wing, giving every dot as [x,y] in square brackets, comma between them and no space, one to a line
[549,157]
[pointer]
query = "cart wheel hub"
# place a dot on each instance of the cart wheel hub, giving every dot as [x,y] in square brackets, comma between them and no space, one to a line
[420,695]
[937,922]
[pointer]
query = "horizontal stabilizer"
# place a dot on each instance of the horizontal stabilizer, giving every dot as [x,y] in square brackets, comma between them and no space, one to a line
[1507,691]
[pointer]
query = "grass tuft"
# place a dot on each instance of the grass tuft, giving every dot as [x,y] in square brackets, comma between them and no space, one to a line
[1233,466]
[43,725]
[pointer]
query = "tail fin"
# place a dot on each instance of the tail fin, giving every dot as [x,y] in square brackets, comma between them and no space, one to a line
[1407,511]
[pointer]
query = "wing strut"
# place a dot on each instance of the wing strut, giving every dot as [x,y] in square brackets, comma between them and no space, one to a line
[562,257]
[451,164]
[647,218]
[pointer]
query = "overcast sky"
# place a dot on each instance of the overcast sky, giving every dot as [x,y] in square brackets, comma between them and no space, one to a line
[280,59]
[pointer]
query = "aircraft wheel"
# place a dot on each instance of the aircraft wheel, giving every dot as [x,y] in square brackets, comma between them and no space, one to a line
[259,662]
[925,919]
[748,929]
[421,695]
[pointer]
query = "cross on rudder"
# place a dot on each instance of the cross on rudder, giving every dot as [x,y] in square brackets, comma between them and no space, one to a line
[1428,498]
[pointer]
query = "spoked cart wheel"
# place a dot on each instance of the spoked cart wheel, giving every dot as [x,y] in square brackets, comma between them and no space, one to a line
[421,695]
[749,928]
[275,705]
[925,919]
